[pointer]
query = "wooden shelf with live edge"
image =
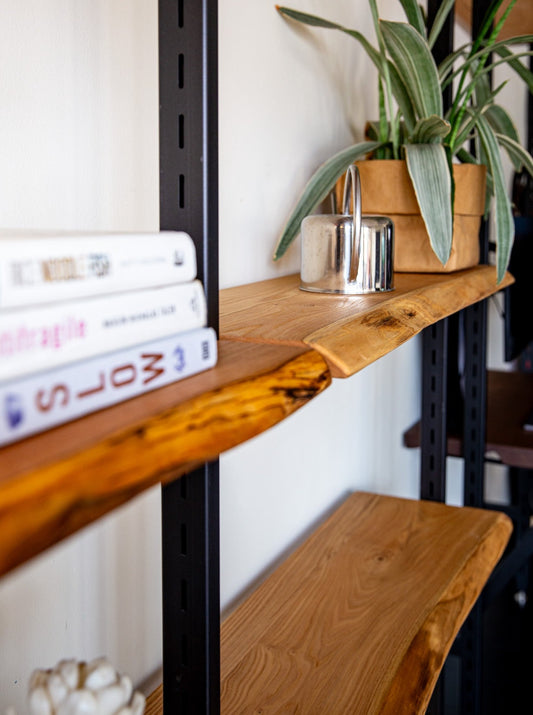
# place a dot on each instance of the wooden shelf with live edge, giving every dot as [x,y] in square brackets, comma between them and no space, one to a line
[350,331]
[358,619]
[61,480]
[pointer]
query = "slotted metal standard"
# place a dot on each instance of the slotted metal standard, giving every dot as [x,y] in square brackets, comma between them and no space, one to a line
[439,362]
[188,126]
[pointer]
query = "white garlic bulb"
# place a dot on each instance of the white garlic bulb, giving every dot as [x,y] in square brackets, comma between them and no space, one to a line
[73,688]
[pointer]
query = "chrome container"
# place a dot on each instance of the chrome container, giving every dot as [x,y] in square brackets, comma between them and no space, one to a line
[347,253]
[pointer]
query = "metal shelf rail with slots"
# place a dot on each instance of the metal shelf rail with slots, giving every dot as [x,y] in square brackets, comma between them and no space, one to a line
[54,483]
[188,86]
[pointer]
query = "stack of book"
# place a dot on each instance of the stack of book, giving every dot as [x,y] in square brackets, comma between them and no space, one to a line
[87,321]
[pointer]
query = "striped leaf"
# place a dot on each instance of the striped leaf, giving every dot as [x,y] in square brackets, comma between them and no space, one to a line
[518,155]
[430,130]
[315,21]
[416,66]
[414,15]
[428,168]
[318,187]
[306,18]
[504,128]
[502,209]
[440,18]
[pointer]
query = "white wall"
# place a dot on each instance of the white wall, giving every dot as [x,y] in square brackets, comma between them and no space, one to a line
[78,141]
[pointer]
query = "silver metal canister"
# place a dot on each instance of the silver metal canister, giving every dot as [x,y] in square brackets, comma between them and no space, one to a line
[347,253]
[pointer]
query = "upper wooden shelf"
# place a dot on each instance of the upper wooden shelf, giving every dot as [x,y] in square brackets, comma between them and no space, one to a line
[509,402]
[58,481]
[350,331]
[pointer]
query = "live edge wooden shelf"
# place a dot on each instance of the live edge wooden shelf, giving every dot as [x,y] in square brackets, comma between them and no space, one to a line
[279,348]
[59,481]
[360,618]
[350,331]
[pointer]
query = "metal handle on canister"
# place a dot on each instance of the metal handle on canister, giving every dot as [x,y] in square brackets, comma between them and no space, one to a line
[352,188]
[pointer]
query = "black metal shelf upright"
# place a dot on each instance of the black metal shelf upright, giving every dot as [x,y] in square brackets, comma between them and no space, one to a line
[188,127]
[445,402]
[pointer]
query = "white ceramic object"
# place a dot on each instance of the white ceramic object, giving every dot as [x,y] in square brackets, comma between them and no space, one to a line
[78,688]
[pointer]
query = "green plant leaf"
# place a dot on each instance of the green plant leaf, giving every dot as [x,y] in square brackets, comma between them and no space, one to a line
[466,157]
[446,66]
[518,155]
[372,130]
[315,21]
[500,48]
[401,95]
[398,88]
[466,130]
[317,188]
[416,66]
[414,15]
[428,168]
[502,209]
[488,29]
[468,123]
[501,122]
[440,18]
[516,65]
[393,119]
[430,130]
[384,127]
[306,18]
[503,125]
[482,92]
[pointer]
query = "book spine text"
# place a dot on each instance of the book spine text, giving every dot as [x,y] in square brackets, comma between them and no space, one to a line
[35,339]
[55,268]
[38,402]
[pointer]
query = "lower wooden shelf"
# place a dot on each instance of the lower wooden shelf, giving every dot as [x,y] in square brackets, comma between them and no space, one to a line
[359,619]
[509,401]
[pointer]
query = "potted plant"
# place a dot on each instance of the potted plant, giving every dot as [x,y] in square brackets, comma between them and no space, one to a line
[416,133]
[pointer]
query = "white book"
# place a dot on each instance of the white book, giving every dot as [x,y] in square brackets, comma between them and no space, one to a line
[36,339]
[39,402]
[45,267]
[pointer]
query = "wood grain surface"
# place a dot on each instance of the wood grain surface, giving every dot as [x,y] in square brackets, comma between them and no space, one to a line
[509,402]
[154,702]
[350,331]
[361,617]
[58,481]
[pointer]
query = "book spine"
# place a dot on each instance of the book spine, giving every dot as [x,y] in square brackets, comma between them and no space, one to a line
[39,402]
[54,268]
[37,339]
